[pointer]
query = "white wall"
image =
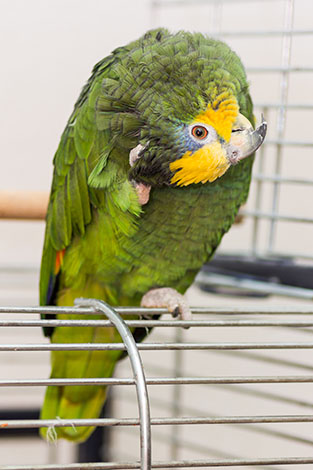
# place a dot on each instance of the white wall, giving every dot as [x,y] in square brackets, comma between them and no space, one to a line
[48,48]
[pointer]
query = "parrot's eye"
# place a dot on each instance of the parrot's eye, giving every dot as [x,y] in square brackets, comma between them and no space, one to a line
[199,132]
[202,133]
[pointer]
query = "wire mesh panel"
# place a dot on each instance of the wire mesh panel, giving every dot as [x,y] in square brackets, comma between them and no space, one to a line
[249,406]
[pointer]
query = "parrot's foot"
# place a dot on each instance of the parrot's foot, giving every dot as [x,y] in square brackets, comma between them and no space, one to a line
[51,435]
[143,190]
[168,298]
[134,154]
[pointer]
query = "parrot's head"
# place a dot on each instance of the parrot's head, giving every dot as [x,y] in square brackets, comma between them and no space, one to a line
[201,150]
[184,101]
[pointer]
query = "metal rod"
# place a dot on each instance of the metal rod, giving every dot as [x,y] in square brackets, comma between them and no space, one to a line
[276,216]
[295,32]
[292,106]
[258,196]
[297,309]
[282,69]
[238,389]
[153,346]
[196,447]
[257,429]
[289,143]
[176,396]
[169,3]
[139,375]
[169,464]
[158,323]
[270,360]
[212,279]
[281,179]
[160,381]
[101,422]
[281,254]
[266,395]
[281,120]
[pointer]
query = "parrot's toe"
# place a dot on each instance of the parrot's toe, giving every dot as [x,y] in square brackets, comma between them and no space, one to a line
[143,192]
[166,297]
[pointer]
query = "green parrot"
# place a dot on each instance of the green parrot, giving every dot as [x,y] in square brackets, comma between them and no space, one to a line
[149,174]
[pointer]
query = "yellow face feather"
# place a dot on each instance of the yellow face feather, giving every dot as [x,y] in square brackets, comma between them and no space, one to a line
[221,114]
[210,161]
[206,164]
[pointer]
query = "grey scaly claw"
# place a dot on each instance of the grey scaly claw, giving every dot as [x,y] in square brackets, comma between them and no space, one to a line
[166,297]
[142,190]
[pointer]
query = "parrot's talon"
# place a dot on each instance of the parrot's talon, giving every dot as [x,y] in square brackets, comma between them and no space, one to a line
[175,312]
[51,436]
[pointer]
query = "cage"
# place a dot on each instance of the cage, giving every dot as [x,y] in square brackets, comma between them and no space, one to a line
[234,390]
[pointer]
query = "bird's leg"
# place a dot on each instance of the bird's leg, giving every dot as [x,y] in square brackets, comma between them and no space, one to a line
[143,190]
[166,297]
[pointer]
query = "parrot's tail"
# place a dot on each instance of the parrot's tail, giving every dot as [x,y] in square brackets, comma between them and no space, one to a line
[58,406]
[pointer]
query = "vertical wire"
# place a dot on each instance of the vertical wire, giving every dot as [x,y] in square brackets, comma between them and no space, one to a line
[177,405]
[153,13]
[258,196]
[216,17]
[281,118]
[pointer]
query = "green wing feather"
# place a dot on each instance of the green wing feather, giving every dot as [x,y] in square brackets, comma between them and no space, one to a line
[88,179]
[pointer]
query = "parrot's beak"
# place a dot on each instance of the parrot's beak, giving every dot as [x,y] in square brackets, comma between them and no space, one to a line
[244,140]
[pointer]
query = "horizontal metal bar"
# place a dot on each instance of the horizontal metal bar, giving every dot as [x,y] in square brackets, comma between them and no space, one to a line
[140,311]
[161,381]
[203,449]
[248,284]
[256,393]
[279,69]
[270,359]
[281,179]
[289,143]
[153,346]
[281,254]
[168,3]
[103,422]
[256,428]
[281,217]
[158,323]
[272,253]
[169,464]
[294,32]
[291,106]
[240,387]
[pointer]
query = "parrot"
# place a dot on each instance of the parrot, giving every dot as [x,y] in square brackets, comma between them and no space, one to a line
[149,174]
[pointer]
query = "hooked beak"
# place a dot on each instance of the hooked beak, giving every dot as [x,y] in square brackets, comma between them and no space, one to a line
[245,140]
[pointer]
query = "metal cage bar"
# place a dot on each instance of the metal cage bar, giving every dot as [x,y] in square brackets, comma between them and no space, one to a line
[139,375]
[93,306]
